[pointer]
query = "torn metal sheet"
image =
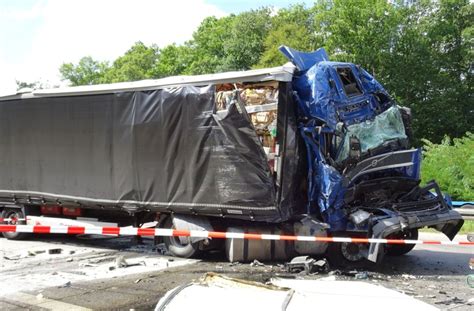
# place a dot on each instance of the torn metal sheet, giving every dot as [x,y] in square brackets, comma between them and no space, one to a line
[213,291]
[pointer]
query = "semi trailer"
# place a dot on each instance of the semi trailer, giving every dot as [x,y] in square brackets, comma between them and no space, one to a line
[313,147]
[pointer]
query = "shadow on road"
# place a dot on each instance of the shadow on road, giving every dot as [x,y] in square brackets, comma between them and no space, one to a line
[429,262]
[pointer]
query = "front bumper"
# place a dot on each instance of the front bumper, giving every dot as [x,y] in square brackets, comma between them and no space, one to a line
[448,222]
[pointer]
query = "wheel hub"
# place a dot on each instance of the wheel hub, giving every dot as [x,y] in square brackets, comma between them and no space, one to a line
[352,251]
[12,218]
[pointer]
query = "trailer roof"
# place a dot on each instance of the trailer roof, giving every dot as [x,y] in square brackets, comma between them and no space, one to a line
[283,73]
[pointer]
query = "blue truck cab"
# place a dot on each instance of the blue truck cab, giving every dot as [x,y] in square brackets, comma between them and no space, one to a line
[363,175]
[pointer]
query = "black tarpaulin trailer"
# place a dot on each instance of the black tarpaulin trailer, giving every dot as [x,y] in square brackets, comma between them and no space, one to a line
[153,145]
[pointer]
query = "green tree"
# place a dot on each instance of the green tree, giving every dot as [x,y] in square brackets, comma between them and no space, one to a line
[449,31]
[430,67]
[358,31]
[234,42]
[173,60]
[136,64]
[206,49]
[28,85]
[87,71]
[246,42]
[293,27]
[451,164]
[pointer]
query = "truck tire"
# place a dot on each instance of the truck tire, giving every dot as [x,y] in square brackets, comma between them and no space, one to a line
[346,255]
[14,214]
[402,249]
[175,246]
[352,255]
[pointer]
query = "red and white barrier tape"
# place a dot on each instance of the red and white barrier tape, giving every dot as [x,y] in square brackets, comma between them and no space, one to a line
[11,219]
[129,231]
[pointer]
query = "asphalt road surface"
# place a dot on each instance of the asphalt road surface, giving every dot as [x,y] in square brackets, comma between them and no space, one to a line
[68,273]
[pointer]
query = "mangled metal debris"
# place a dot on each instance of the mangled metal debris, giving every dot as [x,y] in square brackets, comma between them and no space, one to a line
[308,265]
[212,290]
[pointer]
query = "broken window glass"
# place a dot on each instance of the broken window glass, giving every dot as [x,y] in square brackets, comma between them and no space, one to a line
[349,82]
[371,134]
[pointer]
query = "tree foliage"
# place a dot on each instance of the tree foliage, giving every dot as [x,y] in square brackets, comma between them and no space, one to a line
[28,85]
[291,27]
[430,67]
[136,64]
[246,44]
[358,31]
[451,164]
[173,60]
[422,52]
[87,71]
[206,49]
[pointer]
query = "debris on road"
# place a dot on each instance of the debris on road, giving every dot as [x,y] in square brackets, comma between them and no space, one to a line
[51,273]
[88,264]
[67,284]
[307,264]
[453,300]
[17,257]
[36,252]
[362,275]
[162,249]
[408,276]
[120,262]
[256,263]
[54,251]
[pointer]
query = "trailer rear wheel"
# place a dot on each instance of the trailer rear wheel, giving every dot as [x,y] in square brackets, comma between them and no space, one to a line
[402,249]
[175,245]
[14,214]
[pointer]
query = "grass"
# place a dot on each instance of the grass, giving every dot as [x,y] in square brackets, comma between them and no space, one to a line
[468,227]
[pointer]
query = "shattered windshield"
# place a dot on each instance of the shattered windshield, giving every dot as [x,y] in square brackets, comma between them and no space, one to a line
[371,134]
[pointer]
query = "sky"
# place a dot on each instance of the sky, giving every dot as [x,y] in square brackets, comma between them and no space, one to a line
[37,36]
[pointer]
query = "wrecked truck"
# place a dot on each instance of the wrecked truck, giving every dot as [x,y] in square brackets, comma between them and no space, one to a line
[314,147]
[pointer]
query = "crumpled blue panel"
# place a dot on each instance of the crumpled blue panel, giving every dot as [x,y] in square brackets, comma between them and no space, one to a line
[412,171]
[325,184]
[302,60]
[369,83]
[325,102]
[331,195]
[315,94]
